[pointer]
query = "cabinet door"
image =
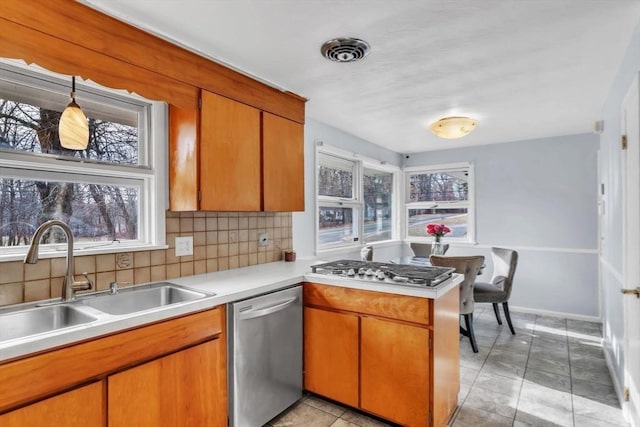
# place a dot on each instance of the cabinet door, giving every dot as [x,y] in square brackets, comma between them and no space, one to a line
[183,159]
[394,381]
[182,389]
[79,407]
[230,169]
[283,161]
[331,355]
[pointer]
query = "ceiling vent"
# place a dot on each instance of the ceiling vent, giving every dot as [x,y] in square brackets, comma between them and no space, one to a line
[345,49]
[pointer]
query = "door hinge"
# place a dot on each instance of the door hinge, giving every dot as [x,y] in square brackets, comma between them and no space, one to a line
[430,420]
[430,343]
[623,142]
[199,196]
[200,103]
[625,394]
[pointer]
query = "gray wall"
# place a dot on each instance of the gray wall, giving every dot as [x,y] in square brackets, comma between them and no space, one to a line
[612,252]
[539,197]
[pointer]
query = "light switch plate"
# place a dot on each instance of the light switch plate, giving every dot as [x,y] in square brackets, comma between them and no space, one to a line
[263,239]
[184,246]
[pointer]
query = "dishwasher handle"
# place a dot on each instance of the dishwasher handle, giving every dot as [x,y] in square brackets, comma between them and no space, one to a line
[280,305]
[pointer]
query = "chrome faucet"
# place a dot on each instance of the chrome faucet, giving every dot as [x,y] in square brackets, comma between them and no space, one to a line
[69,284]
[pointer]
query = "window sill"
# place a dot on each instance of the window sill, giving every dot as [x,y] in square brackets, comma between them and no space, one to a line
[357,248]
[19,255]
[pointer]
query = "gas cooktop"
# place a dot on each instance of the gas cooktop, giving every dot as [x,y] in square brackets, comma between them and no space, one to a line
[398,274]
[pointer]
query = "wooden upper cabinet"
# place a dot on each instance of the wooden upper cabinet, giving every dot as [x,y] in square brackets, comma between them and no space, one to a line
[183,159]
[283,164]
[233,157]
[230,170]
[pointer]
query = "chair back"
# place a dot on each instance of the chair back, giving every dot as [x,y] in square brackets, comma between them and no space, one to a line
[424,249]
[505,262]
[467,265]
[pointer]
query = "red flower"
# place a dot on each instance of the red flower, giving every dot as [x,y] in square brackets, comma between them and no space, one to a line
[438,230]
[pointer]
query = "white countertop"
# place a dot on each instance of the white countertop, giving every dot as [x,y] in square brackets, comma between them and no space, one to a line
[228,285]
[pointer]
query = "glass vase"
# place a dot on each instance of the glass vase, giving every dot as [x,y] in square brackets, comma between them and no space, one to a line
[437,248]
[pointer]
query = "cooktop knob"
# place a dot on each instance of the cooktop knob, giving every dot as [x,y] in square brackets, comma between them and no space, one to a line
[351,272]
[380,275]
[369,272]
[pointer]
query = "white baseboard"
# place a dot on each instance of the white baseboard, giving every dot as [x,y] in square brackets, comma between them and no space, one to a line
[617,386]
[562,315]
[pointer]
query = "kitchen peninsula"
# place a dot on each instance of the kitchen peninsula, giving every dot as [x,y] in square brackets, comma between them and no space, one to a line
[385,348]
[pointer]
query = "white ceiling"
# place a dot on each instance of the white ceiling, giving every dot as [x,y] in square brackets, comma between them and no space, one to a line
[524,68]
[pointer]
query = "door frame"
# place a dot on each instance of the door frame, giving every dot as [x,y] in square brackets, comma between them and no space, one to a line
[630,162]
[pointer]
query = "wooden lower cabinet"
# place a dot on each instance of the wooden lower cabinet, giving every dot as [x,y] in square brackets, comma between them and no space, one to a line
[331,355]
[180,389]
[171,373]
[394,371]
[393,356]
[79,407]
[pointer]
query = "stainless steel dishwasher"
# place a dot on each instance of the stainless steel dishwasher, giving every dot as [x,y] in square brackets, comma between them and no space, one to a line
[265,356]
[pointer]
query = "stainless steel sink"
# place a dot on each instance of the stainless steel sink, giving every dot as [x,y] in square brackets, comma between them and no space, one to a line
[140,298]
[24,323]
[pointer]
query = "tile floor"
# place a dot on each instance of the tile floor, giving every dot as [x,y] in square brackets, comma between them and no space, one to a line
[552,373]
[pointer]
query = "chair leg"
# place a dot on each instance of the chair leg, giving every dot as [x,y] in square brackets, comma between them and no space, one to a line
[468,320]
[496,310]
[505,306]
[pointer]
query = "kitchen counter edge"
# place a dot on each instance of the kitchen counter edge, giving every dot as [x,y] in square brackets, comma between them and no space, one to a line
[229,286]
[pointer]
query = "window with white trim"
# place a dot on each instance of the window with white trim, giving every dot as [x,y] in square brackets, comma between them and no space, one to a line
[442,195]
[111,194]
[354,201]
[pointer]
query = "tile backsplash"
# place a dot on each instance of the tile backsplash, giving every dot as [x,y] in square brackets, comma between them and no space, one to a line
[221,241]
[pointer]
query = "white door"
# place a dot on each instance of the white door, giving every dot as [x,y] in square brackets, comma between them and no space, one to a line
[631,230]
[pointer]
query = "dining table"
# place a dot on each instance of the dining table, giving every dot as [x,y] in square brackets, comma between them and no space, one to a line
[420,261]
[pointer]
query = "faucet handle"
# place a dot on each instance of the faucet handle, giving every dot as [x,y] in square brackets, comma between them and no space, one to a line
[113,287]
[82,285]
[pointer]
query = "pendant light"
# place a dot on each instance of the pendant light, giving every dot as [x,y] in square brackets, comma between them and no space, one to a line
[453,127]
[73,128]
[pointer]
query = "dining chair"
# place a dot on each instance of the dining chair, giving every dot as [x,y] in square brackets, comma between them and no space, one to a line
[469,266]
[499,289]
[424,249]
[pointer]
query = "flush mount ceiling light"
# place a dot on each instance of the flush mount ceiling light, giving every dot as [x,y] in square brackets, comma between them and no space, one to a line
[345,49]
[453,127]
[73,128]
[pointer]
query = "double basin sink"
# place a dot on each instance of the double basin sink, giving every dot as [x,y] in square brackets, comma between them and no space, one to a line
[52,317]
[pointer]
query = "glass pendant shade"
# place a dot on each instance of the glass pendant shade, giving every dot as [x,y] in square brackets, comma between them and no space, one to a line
[74,128]
[453,127]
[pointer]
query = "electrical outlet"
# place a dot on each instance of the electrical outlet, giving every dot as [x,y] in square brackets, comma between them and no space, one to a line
[184,246]
[263,239]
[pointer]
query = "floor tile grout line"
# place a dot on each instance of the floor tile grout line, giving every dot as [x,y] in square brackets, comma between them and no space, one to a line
[573,412]
[526,368]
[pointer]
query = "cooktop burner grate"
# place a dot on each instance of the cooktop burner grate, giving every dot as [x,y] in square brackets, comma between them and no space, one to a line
[402,274]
